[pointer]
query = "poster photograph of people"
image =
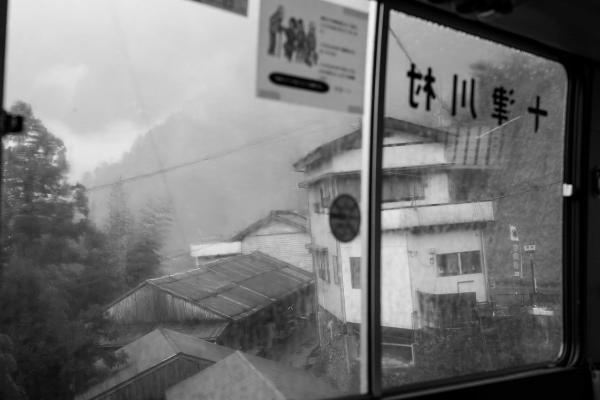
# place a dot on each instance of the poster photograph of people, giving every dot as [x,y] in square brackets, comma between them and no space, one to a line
[296,41]
[311,52]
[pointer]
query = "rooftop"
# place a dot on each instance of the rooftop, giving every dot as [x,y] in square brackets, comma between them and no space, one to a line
[233,287]
[353,141]
[151,350]
[242,373]
[297,219]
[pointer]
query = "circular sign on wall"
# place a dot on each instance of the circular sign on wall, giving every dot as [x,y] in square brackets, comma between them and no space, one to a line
[344,218]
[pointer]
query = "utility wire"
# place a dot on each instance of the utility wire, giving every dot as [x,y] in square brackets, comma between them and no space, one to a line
[210,157]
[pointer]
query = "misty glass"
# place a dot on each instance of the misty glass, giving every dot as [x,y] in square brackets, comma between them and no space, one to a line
[157,216]
[481,125]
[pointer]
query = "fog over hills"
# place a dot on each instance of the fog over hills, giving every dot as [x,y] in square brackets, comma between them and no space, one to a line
[223,167]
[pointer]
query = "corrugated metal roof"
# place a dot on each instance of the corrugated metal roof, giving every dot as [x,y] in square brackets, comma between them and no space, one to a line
[151,350]
[236,286]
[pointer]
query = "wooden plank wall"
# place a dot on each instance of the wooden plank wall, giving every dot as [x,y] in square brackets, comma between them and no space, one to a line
[149,304]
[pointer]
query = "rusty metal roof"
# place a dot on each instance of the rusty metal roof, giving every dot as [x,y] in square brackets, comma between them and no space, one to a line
[237,286]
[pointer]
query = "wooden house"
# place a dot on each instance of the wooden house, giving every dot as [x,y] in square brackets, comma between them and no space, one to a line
[243,376]
[283,234]
[245,302]
[153,363]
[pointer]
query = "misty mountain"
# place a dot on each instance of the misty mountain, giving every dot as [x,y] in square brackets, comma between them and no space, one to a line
[219,170]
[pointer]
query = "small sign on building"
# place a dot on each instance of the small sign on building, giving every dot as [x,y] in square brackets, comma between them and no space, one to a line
[529,248]
[513,233]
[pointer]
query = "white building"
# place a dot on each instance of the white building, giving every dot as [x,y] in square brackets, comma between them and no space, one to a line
[433,255]
[282,234]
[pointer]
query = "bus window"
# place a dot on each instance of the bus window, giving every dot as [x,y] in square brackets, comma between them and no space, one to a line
[165,232]
[471,251]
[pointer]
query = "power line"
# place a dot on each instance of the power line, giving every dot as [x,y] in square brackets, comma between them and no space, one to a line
[209,157]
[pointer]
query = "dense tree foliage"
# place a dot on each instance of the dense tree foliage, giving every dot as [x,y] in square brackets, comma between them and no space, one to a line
[134,241]
[54,269]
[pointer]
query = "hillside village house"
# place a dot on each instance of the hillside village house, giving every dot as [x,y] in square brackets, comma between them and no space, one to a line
[283,234]
[241,376]
[167,364]
[246,302]
[433,254]
[153,363]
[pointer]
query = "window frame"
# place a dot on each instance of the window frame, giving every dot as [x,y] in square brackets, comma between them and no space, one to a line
[570,366]
[459,255]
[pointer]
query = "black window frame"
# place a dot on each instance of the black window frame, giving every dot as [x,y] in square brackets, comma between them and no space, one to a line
[570,376]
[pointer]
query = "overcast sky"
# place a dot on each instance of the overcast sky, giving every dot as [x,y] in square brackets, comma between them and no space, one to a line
[101,72]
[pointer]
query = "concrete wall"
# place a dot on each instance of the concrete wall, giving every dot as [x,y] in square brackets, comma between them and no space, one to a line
[397,302]
[329,294]
[422,250]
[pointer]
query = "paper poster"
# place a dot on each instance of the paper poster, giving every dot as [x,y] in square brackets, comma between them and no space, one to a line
[312,52]
[235,6]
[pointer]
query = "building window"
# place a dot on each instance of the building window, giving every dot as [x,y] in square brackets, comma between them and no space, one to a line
[349,185]
[467,262]
[470,262]
[355,272]
[336,270]
[448,264]
[325,194]
[322,264]
[403,188]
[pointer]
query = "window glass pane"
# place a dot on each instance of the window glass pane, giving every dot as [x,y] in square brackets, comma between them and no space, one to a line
[355,270]
[164,229]
[471,246]
[448,264]
[470,262]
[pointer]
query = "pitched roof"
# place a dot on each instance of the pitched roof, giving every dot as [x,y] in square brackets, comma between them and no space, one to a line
[151,350]
[127,333]
[233,287]
[242,373]
[296,219]
[353,140]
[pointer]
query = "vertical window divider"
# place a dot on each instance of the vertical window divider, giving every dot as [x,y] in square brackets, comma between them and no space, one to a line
[371,183]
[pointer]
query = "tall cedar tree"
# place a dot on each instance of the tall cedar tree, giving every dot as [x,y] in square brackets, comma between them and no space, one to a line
[50,256]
